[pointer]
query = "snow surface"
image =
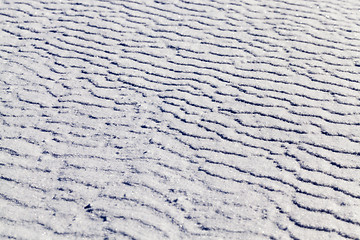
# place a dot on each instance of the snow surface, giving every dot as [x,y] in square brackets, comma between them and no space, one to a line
[205,119]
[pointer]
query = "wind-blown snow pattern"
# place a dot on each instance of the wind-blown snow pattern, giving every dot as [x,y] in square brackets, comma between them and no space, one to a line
[205,119]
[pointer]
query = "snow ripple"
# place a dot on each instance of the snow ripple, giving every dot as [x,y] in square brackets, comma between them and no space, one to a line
[180,119]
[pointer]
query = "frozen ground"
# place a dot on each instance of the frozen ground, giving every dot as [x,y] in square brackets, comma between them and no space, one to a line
[205,119]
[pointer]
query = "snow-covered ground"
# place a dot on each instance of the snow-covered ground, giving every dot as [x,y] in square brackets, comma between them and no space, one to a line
[179,119]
